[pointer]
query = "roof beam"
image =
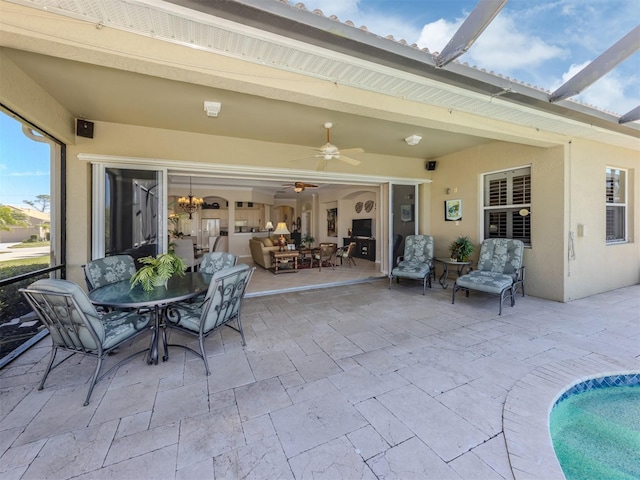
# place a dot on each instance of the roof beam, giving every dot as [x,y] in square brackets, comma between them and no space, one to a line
[630,116]
[620,51]
[470,30]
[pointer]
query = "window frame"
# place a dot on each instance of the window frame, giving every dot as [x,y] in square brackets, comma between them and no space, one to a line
[507,208]
[624,205]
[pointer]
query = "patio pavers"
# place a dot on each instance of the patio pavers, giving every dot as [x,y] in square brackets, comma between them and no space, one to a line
[355,381]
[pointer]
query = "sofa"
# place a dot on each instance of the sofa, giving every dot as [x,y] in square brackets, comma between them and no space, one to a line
[261,247]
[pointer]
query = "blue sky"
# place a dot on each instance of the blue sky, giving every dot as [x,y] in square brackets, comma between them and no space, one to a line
[24,165]
[540,42]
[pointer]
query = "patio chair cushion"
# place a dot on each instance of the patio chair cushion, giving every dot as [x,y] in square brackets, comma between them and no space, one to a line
[502,255]
[490,282]
[104,271]
[213,262]
[119,325]
[414,269]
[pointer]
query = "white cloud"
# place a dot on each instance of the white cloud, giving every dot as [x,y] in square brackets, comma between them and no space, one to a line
[612,92]
[501,47]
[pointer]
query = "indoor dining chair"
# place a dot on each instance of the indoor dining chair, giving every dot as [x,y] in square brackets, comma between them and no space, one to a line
[76,326]
[221,306]
[185,249]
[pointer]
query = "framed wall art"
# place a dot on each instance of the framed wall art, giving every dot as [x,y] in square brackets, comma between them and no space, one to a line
[332,220]
[406,213]
[452,210]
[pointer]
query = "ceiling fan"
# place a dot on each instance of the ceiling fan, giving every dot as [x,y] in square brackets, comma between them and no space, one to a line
[299,186]
[330,152]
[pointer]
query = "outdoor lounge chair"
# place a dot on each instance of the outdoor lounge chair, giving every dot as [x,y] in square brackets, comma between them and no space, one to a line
[417,261]
[220,307]
[499,270]
[75,325]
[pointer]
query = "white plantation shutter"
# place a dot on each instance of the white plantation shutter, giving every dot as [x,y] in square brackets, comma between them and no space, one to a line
[616,205]
[506,194]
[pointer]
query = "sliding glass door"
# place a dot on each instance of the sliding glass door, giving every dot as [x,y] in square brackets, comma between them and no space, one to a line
[128,211]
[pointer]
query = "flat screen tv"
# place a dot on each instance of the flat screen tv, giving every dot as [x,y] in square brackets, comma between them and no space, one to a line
[361,227]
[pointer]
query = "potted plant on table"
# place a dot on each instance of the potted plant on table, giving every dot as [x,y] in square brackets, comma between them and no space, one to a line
[308,240]
[461,249]
[157,270]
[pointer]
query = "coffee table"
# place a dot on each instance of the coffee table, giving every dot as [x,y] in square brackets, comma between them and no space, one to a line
[284,262]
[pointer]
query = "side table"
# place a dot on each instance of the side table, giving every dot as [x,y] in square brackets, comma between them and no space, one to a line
[284,262]
[445,273]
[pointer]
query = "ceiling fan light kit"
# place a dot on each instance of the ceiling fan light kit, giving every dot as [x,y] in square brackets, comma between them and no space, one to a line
[329,152]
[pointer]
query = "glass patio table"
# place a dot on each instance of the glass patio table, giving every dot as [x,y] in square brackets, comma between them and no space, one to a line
[121,295]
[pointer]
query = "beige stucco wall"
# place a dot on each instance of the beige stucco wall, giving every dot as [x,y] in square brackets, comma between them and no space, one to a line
[599,267]
[461,173]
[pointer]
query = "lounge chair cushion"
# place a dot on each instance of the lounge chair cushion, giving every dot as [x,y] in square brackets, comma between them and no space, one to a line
[490,282]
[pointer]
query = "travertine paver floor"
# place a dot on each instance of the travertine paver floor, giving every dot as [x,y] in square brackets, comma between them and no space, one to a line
[347,382]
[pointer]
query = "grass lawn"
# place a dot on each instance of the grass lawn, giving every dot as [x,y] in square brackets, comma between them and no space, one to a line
[37,262]
[30,245]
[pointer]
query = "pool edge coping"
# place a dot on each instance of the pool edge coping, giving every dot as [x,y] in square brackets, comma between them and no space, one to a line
[525,415]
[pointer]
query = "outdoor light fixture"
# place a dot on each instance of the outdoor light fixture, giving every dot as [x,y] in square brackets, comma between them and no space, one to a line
[212,108]
[190,204]
[281,230]
[413,140]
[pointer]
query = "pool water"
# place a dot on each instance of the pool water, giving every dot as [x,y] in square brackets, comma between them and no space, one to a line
[596,434]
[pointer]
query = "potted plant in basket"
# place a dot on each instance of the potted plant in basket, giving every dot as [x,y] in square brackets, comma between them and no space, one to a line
[157,270]
[461,249]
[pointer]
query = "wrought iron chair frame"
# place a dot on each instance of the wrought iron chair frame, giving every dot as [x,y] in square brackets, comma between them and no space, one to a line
[66,336]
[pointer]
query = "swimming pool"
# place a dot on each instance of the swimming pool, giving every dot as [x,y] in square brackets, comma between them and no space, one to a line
[595,428]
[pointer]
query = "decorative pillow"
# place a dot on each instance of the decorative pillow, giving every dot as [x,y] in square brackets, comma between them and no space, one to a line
[266,241]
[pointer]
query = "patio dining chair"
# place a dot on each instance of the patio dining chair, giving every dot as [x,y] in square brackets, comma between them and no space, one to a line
[104,271]
[76,326]
[500,270]
[213,262]
[417,261]
[221,306]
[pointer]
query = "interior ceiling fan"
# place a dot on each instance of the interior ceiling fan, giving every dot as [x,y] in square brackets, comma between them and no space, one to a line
[299,186]
[330,152]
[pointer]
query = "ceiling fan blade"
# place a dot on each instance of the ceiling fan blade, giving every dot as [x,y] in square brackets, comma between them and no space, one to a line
[303,158]
[349,160]
[322,165]
[352,150]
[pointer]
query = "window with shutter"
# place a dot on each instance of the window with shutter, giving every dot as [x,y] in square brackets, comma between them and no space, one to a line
[616,205]
[507,204]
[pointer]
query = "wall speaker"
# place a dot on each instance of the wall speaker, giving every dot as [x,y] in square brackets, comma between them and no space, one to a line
[84,128]
[431,165]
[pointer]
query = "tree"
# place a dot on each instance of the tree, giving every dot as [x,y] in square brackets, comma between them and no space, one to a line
[10,217]
[40,203]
